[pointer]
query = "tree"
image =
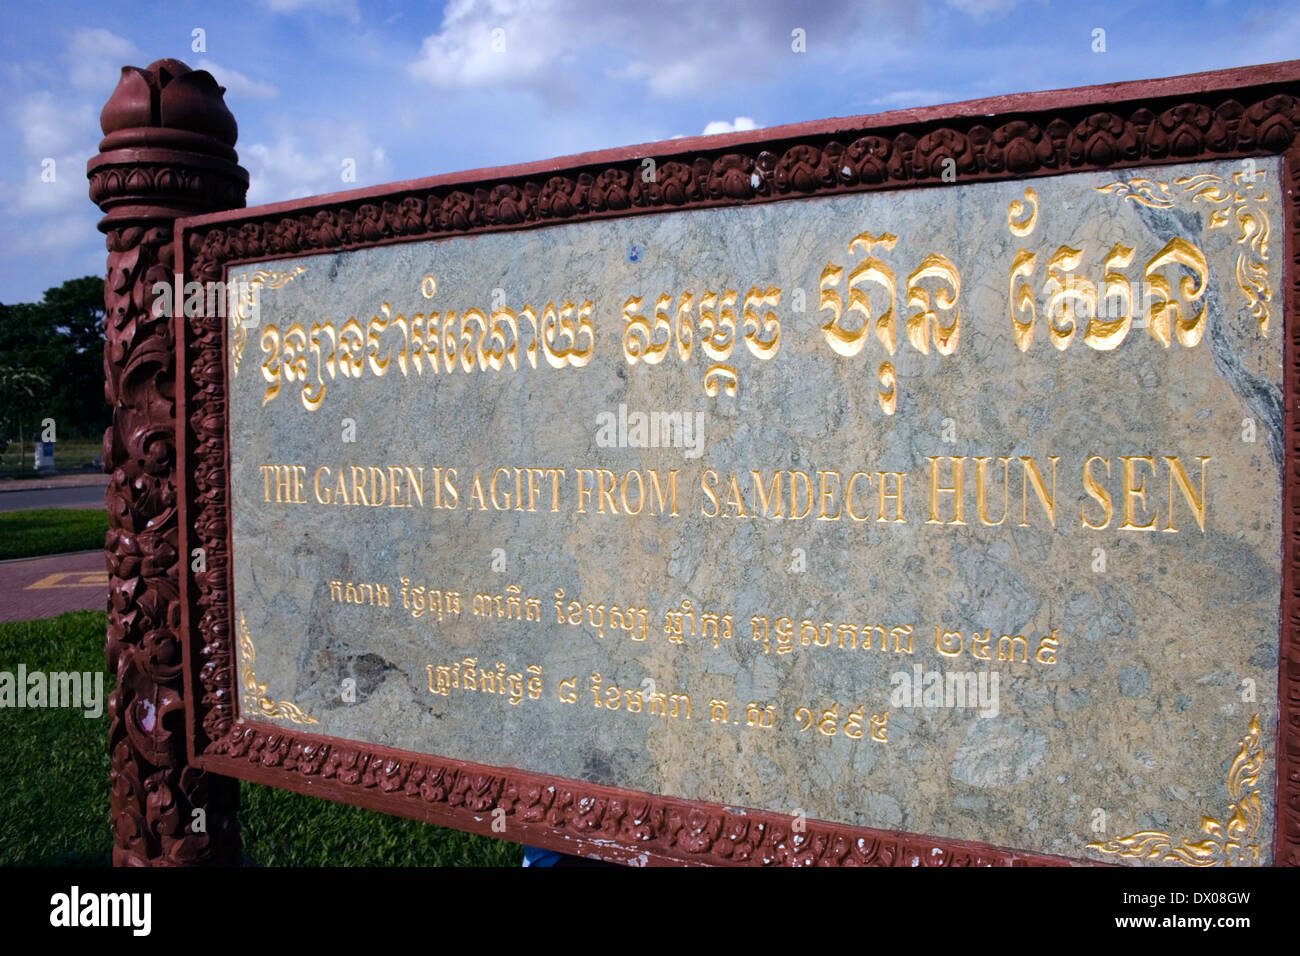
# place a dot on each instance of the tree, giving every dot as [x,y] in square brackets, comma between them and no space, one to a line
[77,308]
[54,353]
[19,389]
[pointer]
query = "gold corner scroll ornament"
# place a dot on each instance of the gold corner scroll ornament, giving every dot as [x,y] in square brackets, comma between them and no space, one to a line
[240,296]
[1241,200]
[1224,845]
[256,700]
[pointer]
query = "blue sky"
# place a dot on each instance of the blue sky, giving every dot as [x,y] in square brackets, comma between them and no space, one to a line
[413,89]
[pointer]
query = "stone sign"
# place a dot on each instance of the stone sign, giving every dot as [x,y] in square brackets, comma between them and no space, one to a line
[835,494]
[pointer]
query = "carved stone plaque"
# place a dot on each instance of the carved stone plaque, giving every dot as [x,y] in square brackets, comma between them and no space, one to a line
[953,510]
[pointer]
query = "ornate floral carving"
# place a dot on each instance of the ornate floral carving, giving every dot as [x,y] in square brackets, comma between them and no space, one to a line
[256,701]
[944,143]
[870,160]
[611,189]
[804,169]
[244,292]
[1224,844]
[732,177]
[1103,139]
[1241,200]
[163,182]
[1018,147]
[142,187]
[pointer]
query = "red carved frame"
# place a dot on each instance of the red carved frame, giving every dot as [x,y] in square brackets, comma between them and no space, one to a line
[1253,111]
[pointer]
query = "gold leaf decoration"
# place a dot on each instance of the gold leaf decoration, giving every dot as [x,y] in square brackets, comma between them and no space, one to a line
[243,289]
[256,701]
[1241,201]
[1224,845]
[1146,192]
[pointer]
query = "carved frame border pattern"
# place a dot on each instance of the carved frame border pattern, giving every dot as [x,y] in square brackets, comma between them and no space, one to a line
[1253,111]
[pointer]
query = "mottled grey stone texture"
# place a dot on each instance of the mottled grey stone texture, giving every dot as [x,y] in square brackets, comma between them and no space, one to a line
[1140,715]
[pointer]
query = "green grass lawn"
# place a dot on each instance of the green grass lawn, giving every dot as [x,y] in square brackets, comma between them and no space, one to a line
[37,531]
[69,455]
[54,799]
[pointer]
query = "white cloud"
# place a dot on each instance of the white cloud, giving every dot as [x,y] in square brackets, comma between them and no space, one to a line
[722,126]
[96,57]
[50,127]
[49,220]
[486,44]
[34,196]
[68,231]
[342,8]
[310,161]
[49,230]
[1270,37]
[58,138]
[238,84]
[557,44]
[984,9]
[907,99]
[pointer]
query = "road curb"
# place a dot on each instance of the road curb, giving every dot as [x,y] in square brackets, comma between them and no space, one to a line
[58,481]
[55,554]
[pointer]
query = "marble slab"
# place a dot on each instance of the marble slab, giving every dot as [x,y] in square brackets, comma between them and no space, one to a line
[489,499]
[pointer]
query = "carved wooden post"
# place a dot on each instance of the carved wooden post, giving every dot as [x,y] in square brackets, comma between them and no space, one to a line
[168,151]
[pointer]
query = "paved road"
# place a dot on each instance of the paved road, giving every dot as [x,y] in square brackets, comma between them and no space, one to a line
[32,588]
[84,497]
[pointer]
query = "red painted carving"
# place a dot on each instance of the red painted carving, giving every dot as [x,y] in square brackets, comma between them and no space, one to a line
[1248,112]
[167,152]
[1278,123]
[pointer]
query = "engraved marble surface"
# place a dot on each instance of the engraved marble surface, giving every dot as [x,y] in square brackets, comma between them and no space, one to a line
[1168,639]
